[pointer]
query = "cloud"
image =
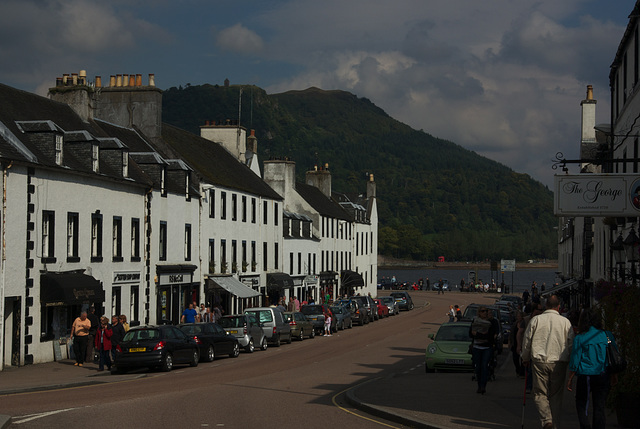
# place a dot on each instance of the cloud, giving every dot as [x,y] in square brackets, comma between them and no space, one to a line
[239,39]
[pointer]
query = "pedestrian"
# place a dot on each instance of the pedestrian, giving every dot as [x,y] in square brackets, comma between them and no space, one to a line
[125,325]
[217,313]
[327,324]
[458,313]
[117,334]
[296,303]
[291,305]
[483,333]
[588,362]
[440,288]
[545,351]
[531,311]
[95,323]
[451,313]
[189,315]
[201,312]
[80,335]
[103,343]
[513,344]
[208,316]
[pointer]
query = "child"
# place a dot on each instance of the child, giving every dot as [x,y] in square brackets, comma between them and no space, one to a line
[327,324]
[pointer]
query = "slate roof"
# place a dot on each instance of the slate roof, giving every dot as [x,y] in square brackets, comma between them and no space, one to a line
[321,203]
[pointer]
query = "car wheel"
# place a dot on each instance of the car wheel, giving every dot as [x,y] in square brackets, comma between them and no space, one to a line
[312,334]
[429,371]
[350,323]
[211,353]
[301,337]
[290,338]
[264,344]
[167,363]
[236,351]
[250,347]
[341,328]
[118,370]
[195,358]
[411,307]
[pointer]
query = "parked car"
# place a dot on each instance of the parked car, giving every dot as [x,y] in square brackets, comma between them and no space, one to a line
[383,310]
[443,285]
[212,340]
[359,314]
[343,317]
[516,300]
[315,313]
[155,347]
[275,328]
[450,348]
[391,304]
[367,302]
[472,311]
[300,325]
[403,299]
[246,329]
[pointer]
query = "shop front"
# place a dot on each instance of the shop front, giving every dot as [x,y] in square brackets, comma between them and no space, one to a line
[176,290]
[277,284]
[350,282]
[125,295]
[229,293]
[328,285]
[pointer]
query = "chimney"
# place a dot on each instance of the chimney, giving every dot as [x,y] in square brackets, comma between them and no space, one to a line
[74,78]
[320,179]
[371,187]
[588,143]
[82,77]
[252,142]
[281,176]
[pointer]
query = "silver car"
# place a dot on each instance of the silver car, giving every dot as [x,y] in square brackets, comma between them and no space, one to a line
[391,303]
[246,329]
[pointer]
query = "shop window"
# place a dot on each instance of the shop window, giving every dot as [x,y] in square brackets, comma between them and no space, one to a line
[72,237]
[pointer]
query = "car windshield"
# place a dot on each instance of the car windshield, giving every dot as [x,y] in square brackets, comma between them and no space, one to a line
[336,309]
[453,333]
[311,309]
[387,300]
[231,322]
[471,312]
[288,317]
[262,315]
[398,296]
[192,329]
[141,334]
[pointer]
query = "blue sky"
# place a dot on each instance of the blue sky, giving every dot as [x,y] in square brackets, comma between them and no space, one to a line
[503,78]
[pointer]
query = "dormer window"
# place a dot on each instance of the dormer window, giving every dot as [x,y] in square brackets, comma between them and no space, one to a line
[125,164]
[59,158]
[95,158]
[186,185]
[163,190]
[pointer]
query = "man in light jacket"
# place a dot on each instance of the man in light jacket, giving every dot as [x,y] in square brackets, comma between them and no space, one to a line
[545,350]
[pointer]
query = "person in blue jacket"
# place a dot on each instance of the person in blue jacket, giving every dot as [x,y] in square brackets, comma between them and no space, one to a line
[588,362]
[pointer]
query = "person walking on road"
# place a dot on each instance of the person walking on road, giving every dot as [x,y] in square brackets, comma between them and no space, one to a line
[483,333]
[546,348]
[80,335]
[588,361]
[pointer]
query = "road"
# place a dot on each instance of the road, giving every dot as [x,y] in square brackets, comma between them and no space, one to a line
[301,383]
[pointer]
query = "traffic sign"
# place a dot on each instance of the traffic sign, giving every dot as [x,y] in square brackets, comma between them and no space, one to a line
[508,264]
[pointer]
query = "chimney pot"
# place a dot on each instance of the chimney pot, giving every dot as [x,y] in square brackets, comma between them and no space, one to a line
[589,92]
[112,80]
[152,79]
[98,81]
[206,123]
[58,81]
[118,80]
[125,80]
[138,80]
[74,78]
[253,133]
[132,80]
[65,79]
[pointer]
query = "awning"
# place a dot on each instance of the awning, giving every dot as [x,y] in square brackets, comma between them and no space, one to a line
[560,287]
[279,281]
[231,285]
[328,275]
[351,279]
[69,289]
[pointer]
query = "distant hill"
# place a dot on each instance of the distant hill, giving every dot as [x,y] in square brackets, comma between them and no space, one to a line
[434,197]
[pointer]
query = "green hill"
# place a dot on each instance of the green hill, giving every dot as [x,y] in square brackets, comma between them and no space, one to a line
[434,197]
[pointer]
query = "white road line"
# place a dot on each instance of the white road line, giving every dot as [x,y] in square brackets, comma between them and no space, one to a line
[31,417]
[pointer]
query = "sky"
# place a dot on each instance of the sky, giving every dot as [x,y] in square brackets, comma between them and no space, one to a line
[503,78]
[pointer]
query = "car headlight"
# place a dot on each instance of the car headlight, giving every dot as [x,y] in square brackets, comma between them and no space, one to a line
[432,349]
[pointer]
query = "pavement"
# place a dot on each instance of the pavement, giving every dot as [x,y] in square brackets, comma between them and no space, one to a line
[410,398]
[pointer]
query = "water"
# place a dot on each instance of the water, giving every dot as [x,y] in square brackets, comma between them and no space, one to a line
[522,279]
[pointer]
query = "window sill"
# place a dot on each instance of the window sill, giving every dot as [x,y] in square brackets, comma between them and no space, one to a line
[73,259]
[48,260]
[117,259]
[96,259]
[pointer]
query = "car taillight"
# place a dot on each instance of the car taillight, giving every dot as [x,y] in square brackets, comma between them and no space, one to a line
[160,346]
[244,329]
[357,311]
[197,340]
[274,330]
[293,323]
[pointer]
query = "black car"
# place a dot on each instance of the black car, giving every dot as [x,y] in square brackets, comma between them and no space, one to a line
[315,314]
[155,347]
[359,314]
[212,340]
[366,302]
[403,299]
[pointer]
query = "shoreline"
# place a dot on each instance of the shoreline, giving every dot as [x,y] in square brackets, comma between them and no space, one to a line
[389,264]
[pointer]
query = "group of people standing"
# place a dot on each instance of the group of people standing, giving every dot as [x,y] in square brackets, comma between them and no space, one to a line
[195,314]
[545,346]
[91,335]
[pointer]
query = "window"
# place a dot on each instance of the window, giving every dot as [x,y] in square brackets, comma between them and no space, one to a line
[234,256]
[275,256]
[244,208]
[264,256]
[135,240]
[96,237]
[212,255]
[59,152]
[187,184]
[299,263]
[162,245]
[134,304]
[187,242]
[234,207]
[275,214]
[95,158]
[125,164]
[253,210]
[117,239]
[212,203]
[223,205]
[245,263]
[223,256]
[163,188]
[264,216]
[72,237]
[291,263]
[254,262]
[48,236]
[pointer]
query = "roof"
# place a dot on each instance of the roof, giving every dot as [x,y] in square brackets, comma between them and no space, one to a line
[321,203]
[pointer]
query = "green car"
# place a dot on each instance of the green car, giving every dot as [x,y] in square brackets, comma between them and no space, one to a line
[449,349]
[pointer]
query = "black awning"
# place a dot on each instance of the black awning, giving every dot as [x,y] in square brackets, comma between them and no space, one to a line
[328,275]
[351,279]
[69,289]
[279,281]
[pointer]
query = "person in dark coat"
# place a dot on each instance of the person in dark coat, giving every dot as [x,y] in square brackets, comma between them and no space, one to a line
[103,343]
[95,324]
[117,334]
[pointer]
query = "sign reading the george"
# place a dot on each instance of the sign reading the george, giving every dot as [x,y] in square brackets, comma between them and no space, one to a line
[507,264]
[616,195]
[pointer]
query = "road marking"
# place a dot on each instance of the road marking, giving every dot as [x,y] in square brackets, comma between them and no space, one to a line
[335,403]
[31,417]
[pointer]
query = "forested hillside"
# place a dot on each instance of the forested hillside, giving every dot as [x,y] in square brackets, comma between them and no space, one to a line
[434,197]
